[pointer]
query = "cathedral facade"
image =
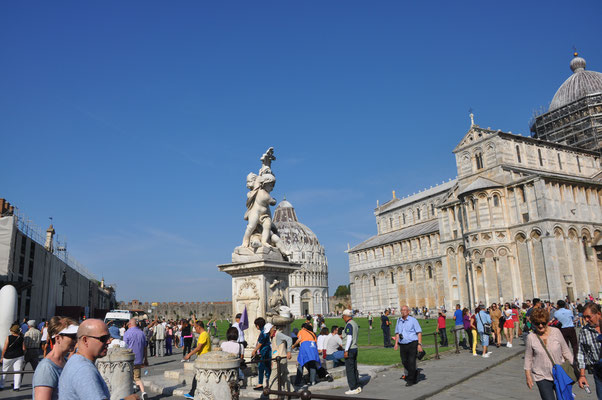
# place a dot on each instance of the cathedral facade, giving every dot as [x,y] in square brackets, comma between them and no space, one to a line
[518,222]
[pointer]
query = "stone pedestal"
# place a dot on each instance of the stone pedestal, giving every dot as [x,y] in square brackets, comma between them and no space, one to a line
[258,284]
[117,369]
[217,376]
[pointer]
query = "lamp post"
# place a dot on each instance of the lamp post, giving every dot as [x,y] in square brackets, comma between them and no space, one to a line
[63,284]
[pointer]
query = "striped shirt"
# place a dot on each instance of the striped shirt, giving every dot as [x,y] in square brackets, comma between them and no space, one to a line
[589,347]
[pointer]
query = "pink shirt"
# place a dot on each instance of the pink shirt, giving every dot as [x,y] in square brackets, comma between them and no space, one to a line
[538,361]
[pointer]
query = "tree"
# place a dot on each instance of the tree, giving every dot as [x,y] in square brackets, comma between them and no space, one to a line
[342,291]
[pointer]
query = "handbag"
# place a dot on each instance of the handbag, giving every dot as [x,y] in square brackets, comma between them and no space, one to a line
[566,366]
[486,327]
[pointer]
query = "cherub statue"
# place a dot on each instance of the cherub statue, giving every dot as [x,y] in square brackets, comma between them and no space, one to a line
[276,299]
[258,212]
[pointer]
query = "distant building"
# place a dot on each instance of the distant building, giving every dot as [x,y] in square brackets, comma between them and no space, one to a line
[518,222]
[45,276]
[180,310]
[308,287]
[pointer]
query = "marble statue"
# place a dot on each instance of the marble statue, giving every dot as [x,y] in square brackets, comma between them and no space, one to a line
[260,231]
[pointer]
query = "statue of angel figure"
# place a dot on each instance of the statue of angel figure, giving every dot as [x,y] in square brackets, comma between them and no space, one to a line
[258,212]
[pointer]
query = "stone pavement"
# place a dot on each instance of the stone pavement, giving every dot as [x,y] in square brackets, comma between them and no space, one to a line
[451,371]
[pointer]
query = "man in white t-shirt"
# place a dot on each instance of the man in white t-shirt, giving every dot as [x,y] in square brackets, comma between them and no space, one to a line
[334,346]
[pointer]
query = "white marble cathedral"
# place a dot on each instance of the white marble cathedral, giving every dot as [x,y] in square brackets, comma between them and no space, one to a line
[518,222]
[308,287]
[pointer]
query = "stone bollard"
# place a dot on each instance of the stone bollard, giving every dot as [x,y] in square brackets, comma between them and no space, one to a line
[217,376]
[117,369]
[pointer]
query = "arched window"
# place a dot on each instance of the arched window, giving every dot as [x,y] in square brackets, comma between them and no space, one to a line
[418,214]
[404,218]
[374,280]
[430,272]
[410,274]
[518,154]
[432,210]
[479,160]
[392,278]
[578,164]
[391,223]
[293,299]
[585,252]
[496,200]
[559,161]
[540,157]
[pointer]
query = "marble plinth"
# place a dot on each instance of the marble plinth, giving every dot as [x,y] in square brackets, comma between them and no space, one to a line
[117,369]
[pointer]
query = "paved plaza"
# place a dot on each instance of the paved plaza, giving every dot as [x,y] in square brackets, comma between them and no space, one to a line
[454,376]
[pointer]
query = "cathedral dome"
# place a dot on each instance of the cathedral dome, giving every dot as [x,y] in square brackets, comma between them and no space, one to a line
[297,236]
[578,85]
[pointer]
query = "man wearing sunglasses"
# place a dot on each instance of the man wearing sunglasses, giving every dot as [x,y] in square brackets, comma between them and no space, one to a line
[588,357]
[80,378]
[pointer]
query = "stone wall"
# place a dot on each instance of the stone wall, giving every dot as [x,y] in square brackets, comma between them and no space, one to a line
[178,310]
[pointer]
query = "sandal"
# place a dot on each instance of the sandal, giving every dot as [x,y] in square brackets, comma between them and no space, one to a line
[259,387]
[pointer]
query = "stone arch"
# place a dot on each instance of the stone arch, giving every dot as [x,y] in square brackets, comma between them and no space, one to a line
[503,251]
[450,251]
[585,233]
[520,237]
[572,234]
[558,232]
[482,195]
[488,253]
[535,233]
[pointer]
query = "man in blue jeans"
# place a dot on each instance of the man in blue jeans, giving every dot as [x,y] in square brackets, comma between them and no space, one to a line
[459,326]
[483,319]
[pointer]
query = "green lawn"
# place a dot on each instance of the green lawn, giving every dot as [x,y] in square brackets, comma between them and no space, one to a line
[371,341]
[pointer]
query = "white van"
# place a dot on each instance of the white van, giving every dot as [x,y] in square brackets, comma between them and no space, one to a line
[119,318]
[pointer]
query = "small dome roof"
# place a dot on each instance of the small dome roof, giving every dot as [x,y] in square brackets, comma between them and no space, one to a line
[578,85]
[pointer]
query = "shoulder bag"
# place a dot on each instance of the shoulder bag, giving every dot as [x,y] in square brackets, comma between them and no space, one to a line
[486,327]
[566,366]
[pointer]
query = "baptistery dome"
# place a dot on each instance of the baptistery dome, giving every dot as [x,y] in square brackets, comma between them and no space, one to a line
[578,85]
[308,287]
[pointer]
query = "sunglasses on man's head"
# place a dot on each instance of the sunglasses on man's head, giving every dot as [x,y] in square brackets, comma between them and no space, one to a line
[102,339]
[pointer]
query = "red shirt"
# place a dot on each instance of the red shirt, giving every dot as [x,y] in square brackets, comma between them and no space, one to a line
[514,315]
[441,322]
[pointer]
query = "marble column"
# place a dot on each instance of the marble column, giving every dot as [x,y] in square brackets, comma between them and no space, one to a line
[117,369]
[217,376]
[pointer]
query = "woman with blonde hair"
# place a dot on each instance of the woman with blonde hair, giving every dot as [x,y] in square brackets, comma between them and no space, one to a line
[62,332]
[13,354]
[543,343]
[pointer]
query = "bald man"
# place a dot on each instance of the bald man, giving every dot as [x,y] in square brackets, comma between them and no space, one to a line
[80,378]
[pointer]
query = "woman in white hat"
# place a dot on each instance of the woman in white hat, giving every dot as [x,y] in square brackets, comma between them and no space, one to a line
[63,337]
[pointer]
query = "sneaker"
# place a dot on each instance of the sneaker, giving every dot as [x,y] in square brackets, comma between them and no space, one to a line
[475,354]
[329,378]
[508,344]
[143,396]
[489,352]
[188,396]
[486,355]
[354,391]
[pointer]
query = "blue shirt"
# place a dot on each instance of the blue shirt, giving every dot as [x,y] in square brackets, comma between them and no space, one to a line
[459,318]
[565,317]
[482,318]
[408,329]
[135,340]
[81,380]
[47,374]
[24,328]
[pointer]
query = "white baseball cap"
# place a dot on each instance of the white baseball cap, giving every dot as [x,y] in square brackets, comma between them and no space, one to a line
[348,313]
[70,330]
[267,327]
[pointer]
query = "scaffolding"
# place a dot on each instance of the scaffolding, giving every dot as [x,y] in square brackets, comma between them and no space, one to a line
[33,231]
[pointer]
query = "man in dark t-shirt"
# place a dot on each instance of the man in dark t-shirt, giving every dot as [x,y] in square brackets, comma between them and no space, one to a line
[385,325]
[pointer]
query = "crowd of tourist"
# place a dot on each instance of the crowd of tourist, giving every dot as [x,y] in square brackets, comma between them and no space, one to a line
[564,334]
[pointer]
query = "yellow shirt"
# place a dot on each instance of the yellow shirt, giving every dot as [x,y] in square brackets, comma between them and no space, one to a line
[205,341]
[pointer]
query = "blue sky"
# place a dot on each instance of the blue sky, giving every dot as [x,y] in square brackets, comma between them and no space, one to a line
[134,124]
